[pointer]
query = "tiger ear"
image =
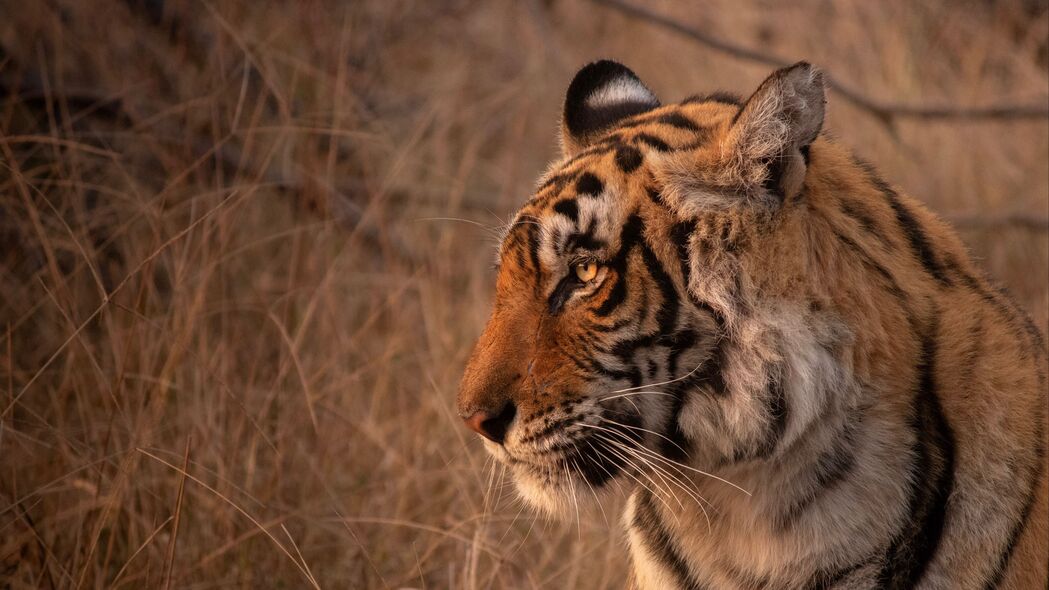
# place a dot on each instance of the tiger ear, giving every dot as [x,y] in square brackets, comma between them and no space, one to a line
[602,93]
[770,136]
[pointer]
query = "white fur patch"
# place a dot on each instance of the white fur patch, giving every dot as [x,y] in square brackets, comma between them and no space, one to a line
[619,91]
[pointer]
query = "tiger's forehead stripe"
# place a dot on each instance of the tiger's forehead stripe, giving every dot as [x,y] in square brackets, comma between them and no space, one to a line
[644,131]
[570,203]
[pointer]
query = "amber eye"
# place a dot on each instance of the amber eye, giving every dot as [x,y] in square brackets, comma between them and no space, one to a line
[586,271]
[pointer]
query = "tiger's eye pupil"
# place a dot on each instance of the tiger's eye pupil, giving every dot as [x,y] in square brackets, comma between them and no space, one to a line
[586,271]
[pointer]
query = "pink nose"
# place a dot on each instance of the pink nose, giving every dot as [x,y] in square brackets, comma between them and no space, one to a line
[492,426]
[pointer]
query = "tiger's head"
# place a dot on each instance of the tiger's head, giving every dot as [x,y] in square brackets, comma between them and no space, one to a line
[612,301]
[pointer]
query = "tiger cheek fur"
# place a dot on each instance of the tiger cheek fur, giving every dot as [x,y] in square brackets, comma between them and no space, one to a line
[713,306]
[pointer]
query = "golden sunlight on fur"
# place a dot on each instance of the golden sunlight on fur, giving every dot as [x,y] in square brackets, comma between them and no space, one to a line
[795,370]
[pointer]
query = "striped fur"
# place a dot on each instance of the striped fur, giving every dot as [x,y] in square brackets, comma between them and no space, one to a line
[795,369]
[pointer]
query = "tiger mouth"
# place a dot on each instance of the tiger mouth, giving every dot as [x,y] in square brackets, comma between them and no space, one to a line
[596,456]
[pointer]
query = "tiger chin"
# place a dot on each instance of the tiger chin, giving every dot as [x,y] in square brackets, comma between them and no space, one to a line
[795,371]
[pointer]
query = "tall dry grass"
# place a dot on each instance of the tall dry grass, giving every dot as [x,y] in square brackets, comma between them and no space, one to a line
[245,248]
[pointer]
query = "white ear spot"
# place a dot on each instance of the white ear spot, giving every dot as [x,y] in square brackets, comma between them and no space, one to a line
[621,90]
[601,94]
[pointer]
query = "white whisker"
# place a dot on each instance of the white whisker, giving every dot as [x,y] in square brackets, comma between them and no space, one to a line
[645,456]
[694,470]
[674,380]
[636,393]
[662,436]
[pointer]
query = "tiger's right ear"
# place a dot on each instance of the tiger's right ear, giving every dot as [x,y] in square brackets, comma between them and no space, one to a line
[601,94]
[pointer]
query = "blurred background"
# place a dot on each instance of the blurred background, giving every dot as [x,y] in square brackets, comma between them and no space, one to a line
[245,248]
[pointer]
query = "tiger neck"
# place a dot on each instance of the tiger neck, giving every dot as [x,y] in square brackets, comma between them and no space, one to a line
[789,444]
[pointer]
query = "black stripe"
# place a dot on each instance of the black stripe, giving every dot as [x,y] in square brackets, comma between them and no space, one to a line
[678,120]
[864,218]
[932,475]
[1002,564]
[722,97]
[569,208]
[628,238]
[589,184]
[564,289]
[584,241]
[533,247]
[672,119]
[1003,303]
[909,224]
[679,343]
[681,235]
[825,580]
[624,349]
[533,254]
[632,375]
[628,158]
[776,406]
[891,283]
[652,141]
[602,147]
[711,378]
[585,366]
[667,314]
[558,181]
[703,137]
[616,296]
[515,242]
[654,196]
[589,121]
[550,427]
[659,542]
[677,446]
[831,468]
[919,240]
[872,264]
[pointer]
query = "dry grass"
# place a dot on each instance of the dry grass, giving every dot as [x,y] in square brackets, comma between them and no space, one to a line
[233,314]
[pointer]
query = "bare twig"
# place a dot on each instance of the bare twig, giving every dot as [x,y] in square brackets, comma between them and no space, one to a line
[886,112]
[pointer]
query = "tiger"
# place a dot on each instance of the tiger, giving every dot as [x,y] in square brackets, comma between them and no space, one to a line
[795,372]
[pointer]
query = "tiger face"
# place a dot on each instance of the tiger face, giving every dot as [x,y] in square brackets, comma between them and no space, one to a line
[600,325]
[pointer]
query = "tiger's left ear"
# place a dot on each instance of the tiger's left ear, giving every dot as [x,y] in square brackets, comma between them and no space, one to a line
[601,94]
[771,135]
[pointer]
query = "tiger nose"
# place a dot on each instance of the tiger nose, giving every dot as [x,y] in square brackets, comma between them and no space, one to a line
[491,425]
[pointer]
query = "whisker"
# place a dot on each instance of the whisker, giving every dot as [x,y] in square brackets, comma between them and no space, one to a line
[592,490]
[633,465]
[659,473]
[636,393]
[662,474]
[693,469]
[644,455]
[662,436]
[636,467]
[674,380]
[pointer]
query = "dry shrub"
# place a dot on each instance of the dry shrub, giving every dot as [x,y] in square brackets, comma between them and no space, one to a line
[246,246]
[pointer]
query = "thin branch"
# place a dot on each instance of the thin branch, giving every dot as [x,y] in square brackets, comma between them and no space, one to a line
[884,111]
